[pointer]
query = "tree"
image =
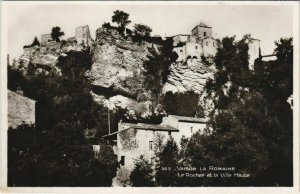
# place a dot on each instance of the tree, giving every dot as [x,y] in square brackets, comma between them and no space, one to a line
[121,18]
[106,25]
[56,33]
[142,30]
[142,174]
[35,42]
[64,110]
[252,123]
[166,169]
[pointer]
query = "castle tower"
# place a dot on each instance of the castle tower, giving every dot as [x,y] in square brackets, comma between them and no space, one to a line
[46,38]
[202,31]
[253,51]
[82,34]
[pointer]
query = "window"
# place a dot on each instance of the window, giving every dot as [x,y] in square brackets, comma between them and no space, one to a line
[191,129]
[181,51]
[204,34]
[169,132]
[150,145]
[122,162]
[213,43]
[206,43]
[196,47]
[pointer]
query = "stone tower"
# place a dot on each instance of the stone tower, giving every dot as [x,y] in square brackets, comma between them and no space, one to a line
[202,31]
[46,38]
[82,35]
[253,51]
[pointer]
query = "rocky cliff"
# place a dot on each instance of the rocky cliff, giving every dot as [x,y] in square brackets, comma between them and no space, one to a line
[45,57]
[117,73]
[190,75]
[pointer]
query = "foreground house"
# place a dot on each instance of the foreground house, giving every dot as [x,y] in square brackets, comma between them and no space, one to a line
[133,140]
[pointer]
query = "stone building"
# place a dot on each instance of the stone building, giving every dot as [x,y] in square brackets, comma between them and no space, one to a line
[186,126]
[202,31]
[253,51]
[83,35]
[46,38]
[133,140]
[180,38]
[21,110]
[199,43]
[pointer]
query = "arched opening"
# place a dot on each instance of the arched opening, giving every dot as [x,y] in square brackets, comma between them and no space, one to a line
[194,57]
[189,57]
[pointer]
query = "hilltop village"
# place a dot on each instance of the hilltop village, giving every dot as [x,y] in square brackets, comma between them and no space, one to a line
[132,94]
[131,140]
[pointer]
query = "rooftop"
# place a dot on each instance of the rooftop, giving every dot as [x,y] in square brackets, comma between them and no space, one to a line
[178,35]
[12,93]
[202,24]
[189,119]
[143,126]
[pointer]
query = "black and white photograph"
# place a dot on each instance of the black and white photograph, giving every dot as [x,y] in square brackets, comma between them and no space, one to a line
[150,94]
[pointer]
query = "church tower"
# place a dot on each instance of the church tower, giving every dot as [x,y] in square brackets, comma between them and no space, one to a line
[202,31]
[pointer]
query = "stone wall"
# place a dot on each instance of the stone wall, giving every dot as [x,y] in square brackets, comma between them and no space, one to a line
[131,144]
[254,45]
[194,50]
[20,110]
[180,38]
[190,50]
[209,47]
[202,32]
[83,36]
[186,129]
[45,38]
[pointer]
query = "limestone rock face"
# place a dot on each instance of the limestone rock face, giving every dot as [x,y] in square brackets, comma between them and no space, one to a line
[117,69]
[188,76]
[192,75]
[46,56]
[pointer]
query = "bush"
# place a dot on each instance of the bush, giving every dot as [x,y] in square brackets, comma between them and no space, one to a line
[142,174]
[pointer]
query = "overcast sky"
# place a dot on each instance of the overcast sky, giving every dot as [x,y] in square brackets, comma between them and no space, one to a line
[265,22]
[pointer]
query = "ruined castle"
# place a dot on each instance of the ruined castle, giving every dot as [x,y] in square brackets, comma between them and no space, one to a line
[82,36]
[200,43]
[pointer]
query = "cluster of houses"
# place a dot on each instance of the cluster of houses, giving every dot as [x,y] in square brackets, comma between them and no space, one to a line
[200,43]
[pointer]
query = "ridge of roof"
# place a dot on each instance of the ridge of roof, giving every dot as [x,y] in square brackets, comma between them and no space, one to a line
[189,119]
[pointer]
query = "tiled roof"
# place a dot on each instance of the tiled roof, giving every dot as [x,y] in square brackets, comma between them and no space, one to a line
[143,126]
[155,127]
[189,119]
[179,35]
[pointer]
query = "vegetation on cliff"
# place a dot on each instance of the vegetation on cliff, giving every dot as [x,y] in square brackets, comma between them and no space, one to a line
[251,120]
[252,123]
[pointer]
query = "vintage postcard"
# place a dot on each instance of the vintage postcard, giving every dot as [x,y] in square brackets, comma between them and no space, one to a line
[150,96]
